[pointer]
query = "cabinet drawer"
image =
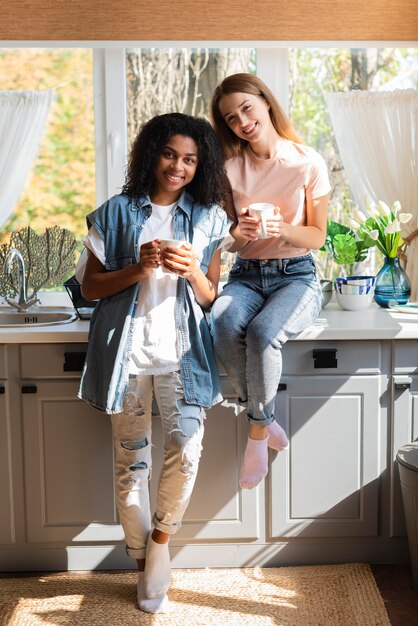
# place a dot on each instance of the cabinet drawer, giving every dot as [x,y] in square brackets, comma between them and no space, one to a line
[2,361]
[54,360]
[405,359]
[325,357]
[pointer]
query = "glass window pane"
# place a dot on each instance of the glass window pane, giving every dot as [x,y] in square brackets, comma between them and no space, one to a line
[61,188]
[313,71]
[161,80]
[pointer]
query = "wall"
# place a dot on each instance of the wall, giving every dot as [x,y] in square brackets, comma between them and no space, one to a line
[216,20]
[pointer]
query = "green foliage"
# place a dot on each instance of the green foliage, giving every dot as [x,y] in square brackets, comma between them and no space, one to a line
[342,245]
[61,189]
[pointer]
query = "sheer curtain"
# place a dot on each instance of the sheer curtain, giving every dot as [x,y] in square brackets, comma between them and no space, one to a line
[377,136]
[22,120]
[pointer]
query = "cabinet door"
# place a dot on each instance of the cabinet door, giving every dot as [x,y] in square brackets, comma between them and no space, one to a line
[404,430]
[69,465]
[326,483]
[68,452]
[7,531]
[218,509]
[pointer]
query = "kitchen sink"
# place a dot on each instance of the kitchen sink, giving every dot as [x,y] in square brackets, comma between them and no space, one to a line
[39,317]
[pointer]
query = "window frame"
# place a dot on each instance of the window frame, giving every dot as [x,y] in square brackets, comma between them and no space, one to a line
[109,88]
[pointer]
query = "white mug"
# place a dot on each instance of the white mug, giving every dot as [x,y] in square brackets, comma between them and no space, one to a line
[263,210]
[170,243]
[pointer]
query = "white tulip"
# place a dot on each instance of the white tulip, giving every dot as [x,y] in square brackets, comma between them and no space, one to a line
[384,209]
[396,207]
[393,227]
[374,234]
[404,217]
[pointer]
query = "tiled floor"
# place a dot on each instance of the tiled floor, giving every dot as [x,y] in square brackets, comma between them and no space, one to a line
[400,598]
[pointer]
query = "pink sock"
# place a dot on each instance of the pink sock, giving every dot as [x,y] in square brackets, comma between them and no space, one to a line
[255,465]
[277,439]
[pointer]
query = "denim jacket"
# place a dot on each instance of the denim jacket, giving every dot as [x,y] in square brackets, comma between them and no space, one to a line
[106,369]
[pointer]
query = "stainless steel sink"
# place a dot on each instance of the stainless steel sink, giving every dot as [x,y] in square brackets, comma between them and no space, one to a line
[45,317]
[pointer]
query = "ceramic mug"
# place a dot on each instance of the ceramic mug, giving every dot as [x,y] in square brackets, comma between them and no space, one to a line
[170,243]
[262,210]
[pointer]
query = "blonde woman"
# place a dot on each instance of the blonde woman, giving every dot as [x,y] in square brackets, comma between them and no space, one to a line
[273,292]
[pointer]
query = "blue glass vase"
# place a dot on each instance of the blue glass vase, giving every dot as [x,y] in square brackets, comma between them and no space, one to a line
[392,286]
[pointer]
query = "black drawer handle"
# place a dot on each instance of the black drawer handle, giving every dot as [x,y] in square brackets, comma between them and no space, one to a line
[324,358]
[74,361]
[29,389]
[402,386]
[282,387]
[2,390]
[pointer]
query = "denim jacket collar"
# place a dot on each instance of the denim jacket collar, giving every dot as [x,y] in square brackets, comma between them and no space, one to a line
[185,203]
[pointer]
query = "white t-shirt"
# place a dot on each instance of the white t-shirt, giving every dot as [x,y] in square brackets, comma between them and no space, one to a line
[154,346]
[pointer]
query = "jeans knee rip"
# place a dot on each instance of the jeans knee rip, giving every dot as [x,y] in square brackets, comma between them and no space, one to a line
[132,405]
[134,446]
[186,422]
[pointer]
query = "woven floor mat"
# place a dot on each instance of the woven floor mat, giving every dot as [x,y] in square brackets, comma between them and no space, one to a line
[324,595]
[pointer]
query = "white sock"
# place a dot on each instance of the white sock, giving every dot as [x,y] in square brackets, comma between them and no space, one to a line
[277,438]
[255,464]
[159,604]
[157,568]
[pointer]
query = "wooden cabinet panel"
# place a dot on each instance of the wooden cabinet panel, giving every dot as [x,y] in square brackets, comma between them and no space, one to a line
[316,358]
[404,430]
[68,467]
[69,472]
[49,360]
[326,484]
[7,530]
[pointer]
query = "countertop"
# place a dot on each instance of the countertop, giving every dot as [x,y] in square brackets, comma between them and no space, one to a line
[332,324]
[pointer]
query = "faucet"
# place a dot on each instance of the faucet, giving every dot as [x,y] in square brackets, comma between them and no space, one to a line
[23,303]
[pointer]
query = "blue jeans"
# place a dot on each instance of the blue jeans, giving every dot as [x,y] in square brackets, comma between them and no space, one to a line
[263,304]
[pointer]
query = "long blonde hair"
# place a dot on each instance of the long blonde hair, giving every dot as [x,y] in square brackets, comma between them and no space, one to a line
[247,83]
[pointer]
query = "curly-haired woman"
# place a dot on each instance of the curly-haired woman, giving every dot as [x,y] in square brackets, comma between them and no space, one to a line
[148,333]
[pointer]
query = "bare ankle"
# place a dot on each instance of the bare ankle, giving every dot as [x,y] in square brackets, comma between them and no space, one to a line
[257,432]
[159,536]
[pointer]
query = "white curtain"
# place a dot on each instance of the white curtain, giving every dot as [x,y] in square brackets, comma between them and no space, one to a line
[377,136]
[22,120]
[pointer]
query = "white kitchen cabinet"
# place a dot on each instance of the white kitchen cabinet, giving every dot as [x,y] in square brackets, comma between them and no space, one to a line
[68,462]
[322,500]
[327,483]
[7,530]
[404,424]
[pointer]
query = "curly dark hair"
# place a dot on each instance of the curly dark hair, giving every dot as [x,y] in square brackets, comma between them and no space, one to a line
[208,184]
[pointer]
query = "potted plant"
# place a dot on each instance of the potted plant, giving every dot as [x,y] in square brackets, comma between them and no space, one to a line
[345,248]
[384,229]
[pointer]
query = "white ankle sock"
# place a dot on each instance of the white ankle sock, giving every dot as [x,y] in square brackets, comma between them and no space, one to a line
[277,438]
[159,604]
[157,568]
[255,464]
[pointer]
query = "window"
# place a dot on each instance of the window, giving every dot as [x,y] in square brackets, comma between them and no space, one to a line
[160,80]
[83,154]
[61,189]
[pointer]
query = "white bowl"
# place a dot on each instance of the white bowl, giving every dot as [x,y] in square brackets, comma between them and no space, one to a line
[356,280]
[354,302]
[357,290]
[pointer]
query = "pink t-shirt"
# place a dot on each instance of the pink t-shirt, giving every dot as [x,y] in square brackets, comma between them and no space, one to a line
[295,173]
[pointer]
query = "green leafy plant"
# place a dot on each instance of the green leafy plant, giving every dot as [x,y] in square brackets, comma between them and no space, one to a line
[344,247]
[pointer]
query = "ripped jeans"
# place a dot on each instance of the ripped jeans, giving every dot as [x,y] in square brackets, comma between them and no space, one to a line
[183,432]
